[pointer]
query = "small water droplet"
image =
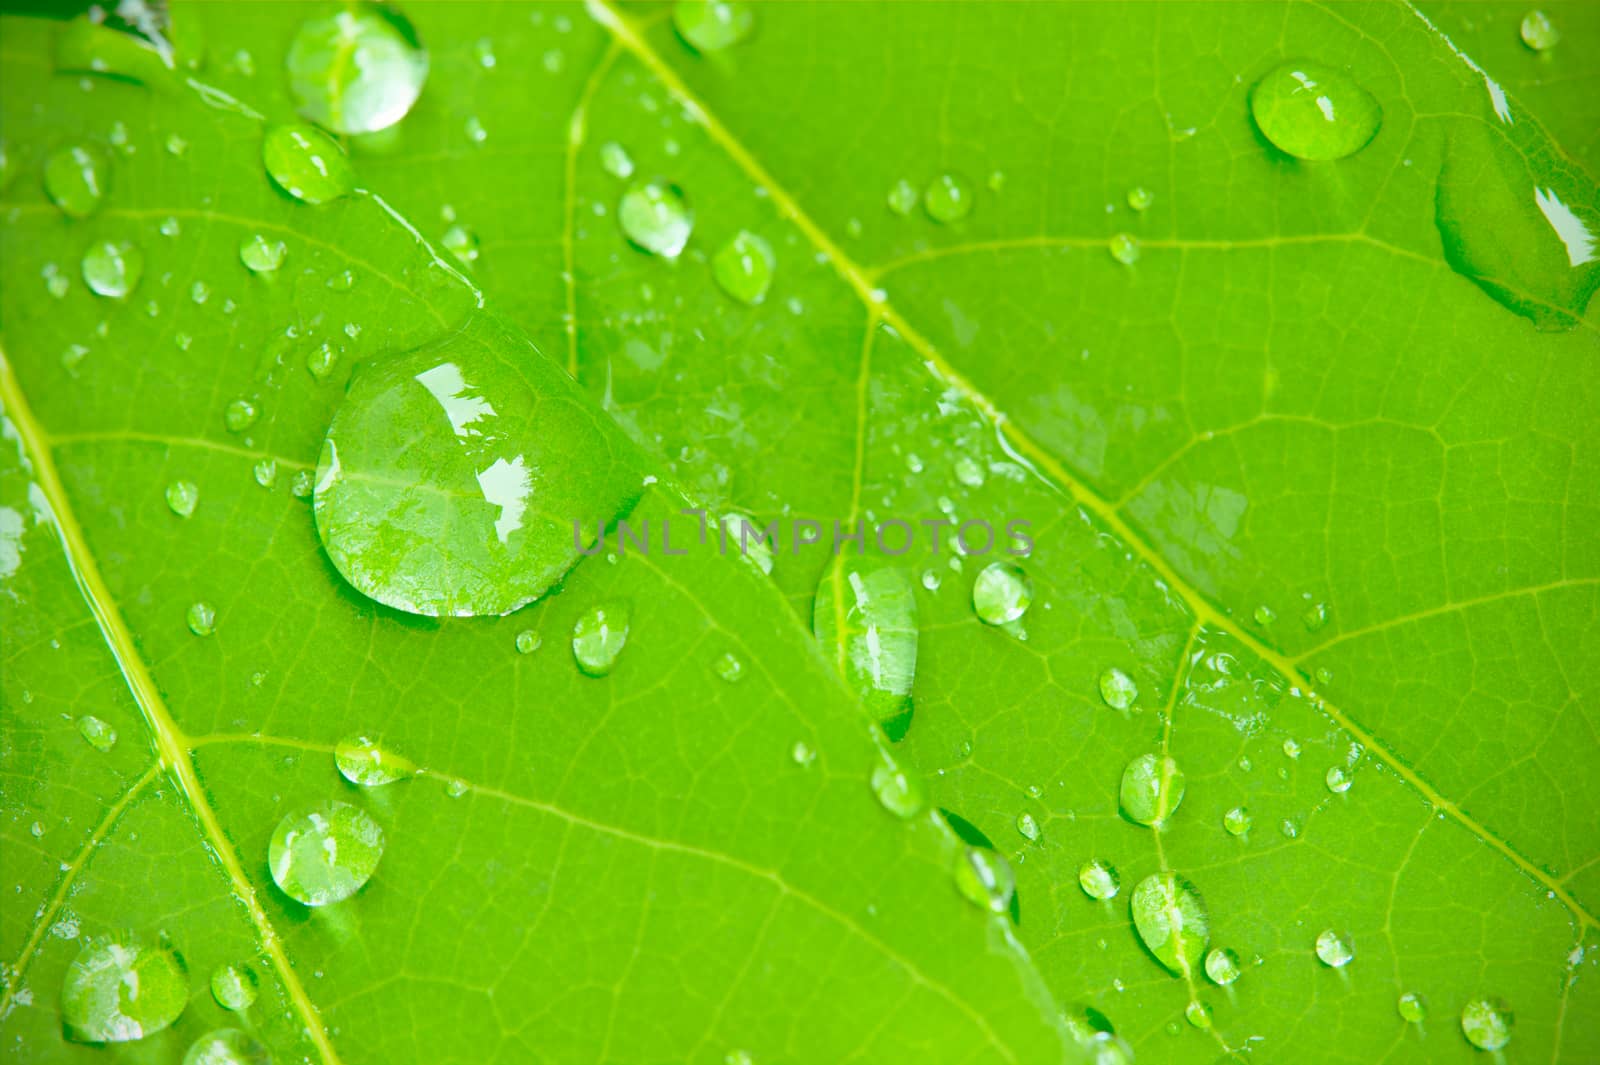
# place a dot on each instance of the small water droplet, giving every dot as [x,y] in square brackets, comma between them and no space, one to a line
[456,788]
[119,990]
[358,70]
[75,179]
[343,281]
[744,267]
[1411,1007]
[1124,248]
[1313,111]
[931,580]
[655,217]
[948,198]
[902,198]
[182,497]
[802,755]
[100,735]
[1139,198]
[730,667]
[1222,966]
[202,618]
[1338,779]
[306,163]
[985,878]
[528,642]
[324,853]
[320,360]
[260,255]
[266,472]
[234,987]
[113,268]
[303,484]
[1265,615]
[240,415]
[1002,593]
[36,830]
[615,159]
[1334,950]
[1028,827]
[1152,788]
[461,242]
[712,25]
[176,145]
[599,636]
[1236,821]
[199,292]
[1538,32]
[1290,827]
[1118,689]
[227,1046]
[900,791]
[475,131]
[1171,919]
[1099,879]
[362,761]
[1291,748]
[1198,1014]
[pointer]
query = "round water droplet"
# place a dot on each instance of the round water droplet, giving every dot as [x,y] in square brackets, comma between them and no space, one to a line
[730,667]
[865,617]
[1002,593]
[461,242]
[948,198]
[362,761]
[234,987]
[1236,821]
[261,255]
[99,735]
[1118,689]
[615,159]
[985,878]
[75,178]
[240,415]
[744,268]
[1198,1015]
[266,472]
[902,198]
[1124,248]
[119,990]
[1222,966]
[528,642]
[802,755]
[1171,919]
[1315,617]
[900,791]
[302,485]
[1486,1024]
[1152,788]
[227,1046]
[358,70]
[1291,749]
[324,853]
[712,25]
[1338,779]
[1265,615]
[113,268]
[182,497]
[598,637]
[1028,827]
[1411,1007]
[1538,32]
[1099,879]
[1313,111]
[655,217]
[306,163]
[1139,198]
[202,619]
[1334,950]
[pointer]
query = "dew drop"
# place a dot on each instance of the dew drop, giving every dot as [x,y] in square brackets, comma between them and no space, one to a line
[227,1046]
[1265,615]
[900,791]
[1290,827]
[1124,248]
[712,25]
[456,788]
[1315,617]
[202,618]
[730,667]
[302,485]
[358,70]
[802,755]
[182,497]
[1411,1007]
[363,762]
[1139,198]
[320,360]
[1002,593]
[462,243]
[1171,919]
[902,198]
[260,255]
[615,159]
[1337,779]
[1538,32]
[1313,111]
[119,990]
[865,617]
[1486,1024]
[75,178]
[1222,966]
[1028,827]
[985,878]
[598,637]
[234,987]
[1152,788]
[1118,689]
[1236,821]
[1099,879]
[1198,1015]
[324,853]
[655,217]
[744,267]
[948,198]
[306,163]
[113,268]
[528,642]
[343,281]
[97,733]
[199,292]
[240,415]
[1334,950]
[1291,749]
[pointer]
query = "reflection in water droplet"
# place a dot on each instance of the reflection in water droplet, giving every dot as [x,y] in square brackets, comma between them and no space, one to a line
[744,267]
[1412,1008]
[1334,950]
[358,70]
[113,268]
[119,990]
[598,637]
[712,25]
[655,217]
[1002,593]
[1124,248]
[261,255]
[985,878]
[900,791]
[227,1046]
[306,163]
[182,496]
[75,178]
[1313,111]
[1222,966]
[865,617]
[1486,1024]
[1118,689]
[1236,821]
[948,198]
[202,619]
[99,735]
[1171,919]
[361,761]
[324,853]
[1099,879]
[1538,32]
[234,987]
[1152,788]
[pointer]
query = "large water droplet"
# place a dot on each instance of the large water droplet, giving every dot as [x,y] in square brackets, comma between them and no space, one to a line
[598,637]
[1099,879]
[865,618]
[306,163]
[655,217]
[97,733]
[1486,1024]
[948,198]
[1152,788]
[455,478]
[900,791]
[324,853]
[118,990]
[1313,111]
[1002,593]
[261,255]
[1118,689]
[1171,920]
[362,761]
[985,878]
[744,268]
[358,70]
[712,25]
[1334,950]
[1538,32]
[235,987]
[227,1046]
[113,268]
[75,178]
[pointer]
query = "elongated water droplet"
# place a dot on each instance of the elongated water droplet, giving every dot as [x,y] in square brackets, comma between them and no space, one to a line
[119,990]
[113,268]
[865,618]
[1002,593]
[1152,788]
[324,853]
[202,619]
[306,163]
[261,255]
[75,178]
[1337,779]
[1118,689]
[948,198]
[598,637]
[985,878]
[1538,32]
[1334,950]
[455,478]
[99,735]
[362,761]
[655,217]
[1099,879]
[234,987]
[615,159]
[1171,919]
[1411,1007]
[1236,821]
[1222,966]
[182,497]
[900,791]
[1486,1024]
[358,70]
[746,540]
[712,25]
[227,1046]
[1314,111]
[1028,827]
[744,268]
[1124,248]
[461,242]
[902,198]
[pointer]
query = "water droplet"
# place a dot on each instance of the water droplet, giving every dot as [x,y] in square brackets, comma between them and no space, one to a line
[461,242]
[1265,615]
[744,268]
[1315,617]
[361,761]
[802,755]
[227,1046]
[169,228]
[902,198]
[948,198]
[615,159]
[75,178]
[202,619]
[1411,1007]
[1171,919]
[176,145]
[1028,827]
[240,415]
[1334,951]
[302,485]
[528,642]
[306,163]
[865,617]
[234,987]
[1538,32]
[900,791]
[1236,821]
[1124,248]
[1139,198]
[1108,1048]
[985,878]
[1291,749]
[969,472]
[1152,788]
[182,497]
[655,217]
[113,268]
[456,788]
[55,282]
[1099,879]
[1222,966]
[730,667]
[119,990]
[358,70]
[1198,1014]
[260,255]
[100,735]
[199,292]
[323,854]
[1313,111]
[1290,827]
[1002,593]
[712,25]
[475,131]
[36,829]
[598,637]
[1338,780]
[343,281]
[445,485]
[1118,689]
